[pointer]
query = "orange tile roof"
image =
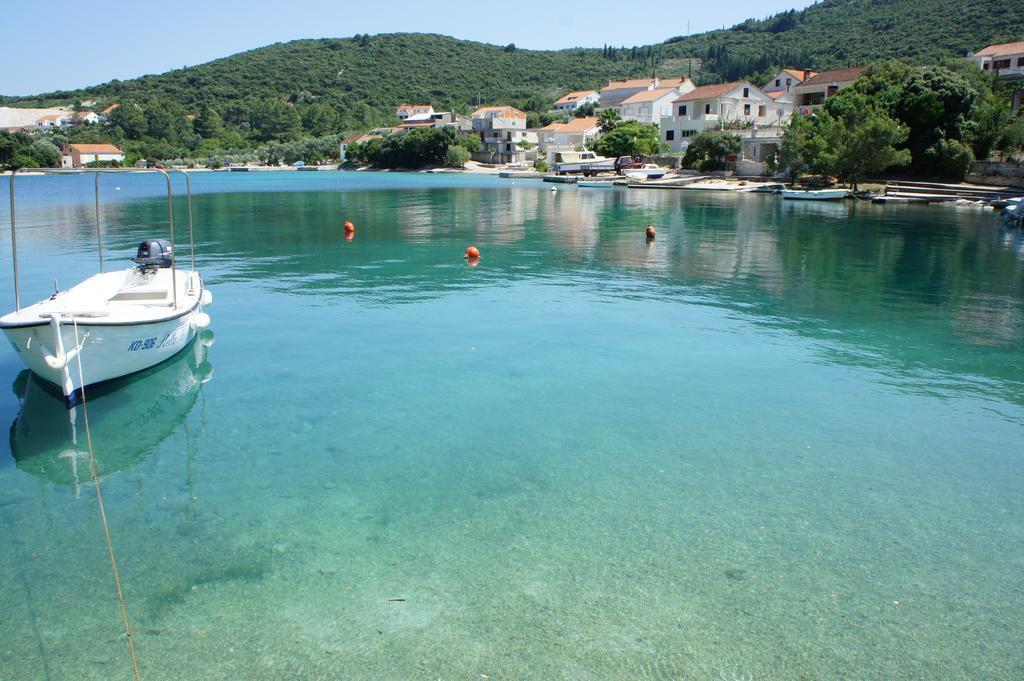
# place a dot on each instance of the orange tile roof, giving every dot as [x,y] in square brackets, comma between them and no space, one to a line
[512,111]
[51,117]
[711,91]
[672,82]
[1001,50]
[573,96]
[96,149]
[649,95]
[110,108]
[798,73]
[575,125]
[621,84]
[835,76]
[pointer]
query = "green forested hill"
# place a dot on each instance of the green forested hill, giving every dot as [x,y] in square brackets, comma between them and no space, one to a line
[302,94]
[385,70]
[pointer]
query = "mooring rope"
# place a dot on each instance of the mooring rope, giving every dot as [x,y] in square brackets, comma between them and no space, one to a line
[103,514]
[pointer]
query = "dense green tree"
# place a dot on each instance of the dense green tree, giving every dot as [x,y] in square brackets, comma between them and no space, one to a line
[584,110]
[129,120]
[456,156]
[949,159]
[608,120]
[274,119]
[1012,141]
[319,119]
[630,139]
[208,123]
[988,126]
[167,120]
[709,150]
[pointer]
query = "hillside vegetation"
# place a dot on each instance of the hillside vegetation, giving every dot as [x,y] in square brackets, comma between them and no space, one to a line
[316,89]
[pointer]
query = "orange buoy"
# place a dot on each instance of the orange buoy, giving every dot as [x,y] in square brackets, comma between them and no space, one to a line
[349,227]
[349,236]
[651,233]
[472,252]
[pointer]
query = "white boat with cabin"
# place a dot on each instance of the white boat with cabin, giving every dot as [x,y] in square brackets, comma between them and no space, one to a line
[586,162]
[113,323]
[648,171]
[815,194]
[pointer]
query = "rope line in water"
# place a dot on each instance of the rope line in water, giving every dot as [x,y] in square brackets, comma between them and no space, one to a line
[103,514]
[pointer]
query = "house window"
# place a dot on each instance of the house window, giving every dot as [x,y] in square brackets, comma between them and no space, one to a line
[1020,61]
[789,81]
[762,111]
[707,108]
[778,83]
[670,135]
[687,133]
[746,92]
[746,109]
[682,109]
[985,67]
[832,89]
[1001,64]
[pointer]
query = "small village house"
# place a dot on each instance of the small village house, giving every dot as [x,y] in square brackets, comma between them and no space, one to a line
[572,101]
[86,117]
[354,138]
[502,131]
[407,110]
[576,134]
[648,106]
[53,120]
[438,119]
[785,80]
[811,94]
[740,107]
[1005,60]
[617,91]
[79,155]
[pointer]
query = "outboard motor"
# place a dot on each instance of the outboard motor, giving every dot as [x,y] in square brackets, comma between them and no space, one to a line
[154,253]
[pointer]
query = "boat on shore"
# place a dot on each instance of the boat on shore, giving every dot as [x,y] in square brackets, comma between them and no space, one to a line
[815,194]
[113,323]
[647,171]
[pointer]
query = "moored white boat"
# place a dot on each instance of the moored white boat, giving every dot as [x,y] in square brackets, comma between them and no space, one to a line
[113,323]
[649,171]
[815,194]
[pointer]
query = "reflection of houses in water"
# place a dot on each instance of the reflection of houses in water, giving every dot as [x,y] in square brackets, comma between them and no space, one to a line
[128,418]
[571,218]
[989,319]
[500,216]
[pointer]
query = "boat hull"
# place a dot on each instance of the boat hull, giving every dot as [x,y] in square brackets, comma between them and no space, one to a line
[107,351]
[815,195]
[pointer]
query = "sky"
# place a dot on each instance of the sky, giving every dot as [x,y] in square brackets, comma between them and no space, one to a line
[73,43]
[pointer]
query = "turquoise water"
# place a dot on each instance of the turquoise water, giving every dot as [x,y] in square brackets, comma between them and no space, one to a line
[780,442]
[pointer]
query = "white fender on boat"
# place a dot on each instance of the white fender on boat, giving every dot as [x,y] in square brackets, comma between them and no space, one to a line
[207,297]
[200,320]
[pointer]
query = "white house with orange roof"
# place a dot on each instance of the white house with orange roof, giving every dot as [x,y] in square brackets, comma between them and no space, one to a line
[1006,60]
[406,110]
[785,80]
[574,100]
[571,136]
[811,94]
[617,91]
[648,106]
[502,130]
[739,107]
[78,155]
[54,120]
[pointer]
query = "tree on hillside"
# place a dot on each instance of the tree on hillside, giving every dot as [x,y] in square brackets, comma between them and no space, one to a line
[275,120]
[208,123]
[129,119]
[319,119]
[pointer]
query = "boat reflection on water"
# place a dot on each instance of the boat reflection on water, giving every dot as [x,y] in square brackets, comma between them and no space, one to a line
[128,418]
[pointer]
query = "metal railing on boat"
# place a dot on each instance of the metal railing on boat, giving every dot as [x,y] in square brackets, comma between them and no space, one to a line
[99,232]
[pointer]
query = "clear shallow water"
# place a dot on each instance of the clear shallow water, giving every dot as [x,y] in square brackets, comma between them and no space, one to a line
[783,441]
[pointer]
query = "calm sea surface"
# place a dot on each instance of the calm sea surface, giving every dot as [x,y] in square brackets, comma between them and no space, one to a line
[783,441]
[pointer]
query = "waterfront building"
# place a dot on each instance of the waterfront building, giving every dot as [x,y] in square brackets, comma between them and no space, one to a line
[648,106]
[502,131]
[574,135]
[78,155]
[354,138]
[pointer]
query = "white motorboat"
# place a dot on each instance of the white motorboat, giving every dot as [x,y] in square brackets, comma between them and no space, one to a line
[113,323]
[815,194]
[648,171]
